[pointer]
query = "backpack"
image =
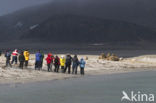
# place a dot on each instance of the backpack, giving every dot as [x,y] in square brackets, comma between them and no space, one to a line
[56,61]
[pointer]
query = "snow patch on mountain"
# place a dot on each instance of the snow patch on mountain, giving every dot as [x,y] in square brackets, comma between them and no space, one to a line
[33,27]
[19,24]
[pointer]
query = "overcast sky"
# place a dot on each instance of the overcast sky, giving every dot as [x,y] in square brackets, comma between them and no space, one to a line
[7,6]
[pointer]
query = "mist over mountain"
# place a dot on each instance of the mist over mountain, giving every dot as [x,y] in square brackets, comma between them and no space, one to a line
[9,6]
[94,20]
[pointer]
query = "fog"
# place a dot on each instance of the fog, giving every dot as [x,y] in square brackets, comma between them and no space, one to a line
[8,6]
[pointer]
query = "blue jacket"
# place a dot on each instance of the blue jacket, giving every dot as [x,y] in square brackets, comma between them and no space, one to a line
[7,55]
[38,56]
[82,63]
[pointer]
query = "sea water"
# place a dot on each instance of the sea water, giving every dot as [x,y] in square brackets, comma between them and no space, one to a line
[87,89]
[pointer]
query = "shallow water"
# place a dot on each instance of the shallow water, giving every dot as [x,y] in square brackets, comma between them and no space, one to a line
[91,89]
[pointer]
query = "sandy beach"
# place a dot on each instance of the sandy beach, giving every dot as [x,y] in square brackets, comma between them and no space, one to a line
[94,66]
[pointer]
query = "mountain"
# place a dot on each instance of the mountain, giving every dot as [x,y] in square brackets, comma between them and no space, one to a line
[111,20]
[73,28]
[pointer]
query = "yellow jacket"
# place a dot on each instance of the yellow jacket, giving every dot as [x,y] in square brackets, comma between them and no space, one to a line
[62,61]
[26,55]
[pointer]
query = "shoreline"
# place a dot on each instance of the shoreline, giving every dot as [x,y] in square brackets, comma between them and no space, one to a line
[94,67]
[69,76]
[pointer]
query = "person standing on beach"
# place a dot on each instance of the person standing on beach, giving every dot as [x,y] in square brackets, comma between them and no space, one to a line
[52,62]
[38,61]
[82,66]
[14,56]
[21,60]
[49,62]
[8,57]
[57,64]
[42,57]
[26,55]
[62,63]
[75,64]
[68,64]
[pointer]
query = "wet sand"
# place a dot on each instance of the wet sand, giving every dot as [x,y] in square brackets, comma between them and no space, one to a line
[88,89]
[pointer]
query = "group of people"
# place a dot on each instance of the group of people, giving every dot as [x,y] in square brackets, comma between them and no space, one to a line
[61,64]
[23,58]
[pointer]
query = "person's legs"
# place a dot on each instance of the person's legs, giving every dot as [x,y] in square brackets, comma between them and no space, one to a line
[22,64]
[26,63]
[82,71]
[36,65]
[55,68]
[15,59]
[58,68]
[62,68]
[51,67]
[48,65]
[65,69]
[7,62]
[69,67]
[39,65]
[75,69]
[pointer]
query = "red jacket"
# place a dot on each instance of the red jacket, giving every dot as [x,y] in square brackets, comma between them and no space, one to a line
[49,59]
[15,53]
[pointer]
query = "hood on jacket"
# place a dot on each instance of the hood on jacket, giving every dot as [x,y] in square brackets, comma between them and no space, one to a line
[16,50]
[49,55]
[82,59]
[62,56]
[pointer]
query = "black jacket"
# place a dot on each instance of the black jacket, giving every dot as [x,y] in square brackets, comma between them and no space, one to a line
[68,60]
[75,61]
[21,58]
